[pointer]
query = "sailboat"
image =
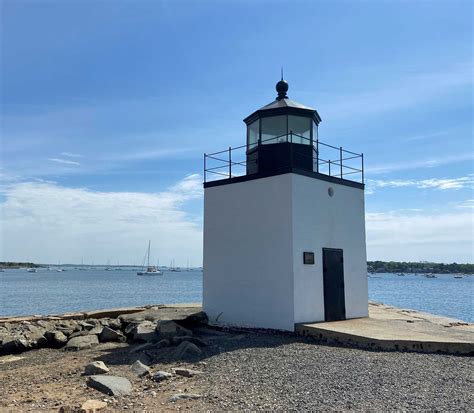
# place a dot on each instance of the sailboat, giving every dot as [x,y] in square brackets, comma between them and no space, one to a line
[150,270]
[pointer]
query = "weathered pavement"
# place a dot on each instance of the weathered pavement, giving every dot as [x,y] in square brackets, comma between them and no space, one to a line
[391,328]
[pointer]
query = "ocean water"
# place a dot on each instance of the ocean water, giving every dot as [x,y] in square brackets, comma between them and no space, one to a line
[52,292]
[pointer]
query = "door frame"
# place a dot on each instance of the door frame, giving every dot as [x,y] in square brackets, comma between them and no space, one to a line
[326,302]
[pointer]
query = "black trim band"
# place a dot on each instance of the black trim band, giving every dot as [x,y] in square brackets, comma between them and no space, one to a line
[316,175]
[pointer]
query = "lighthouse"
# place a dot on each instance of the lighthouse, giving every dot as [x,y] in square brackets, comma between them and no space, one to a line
[284,224]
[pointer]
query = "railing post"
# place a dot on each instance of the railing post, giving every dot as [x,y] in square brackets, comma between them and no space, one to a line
[291,150]
[204,168]
[230,162]
[362,156]
[340,158]
[329,167]
[317,155]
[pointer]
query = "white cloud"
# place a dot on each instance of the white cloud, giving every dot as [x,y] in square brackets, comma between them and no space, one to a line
[434,183]
[45,222]
[402,235]
[425,163]
[64,161]
[71,155]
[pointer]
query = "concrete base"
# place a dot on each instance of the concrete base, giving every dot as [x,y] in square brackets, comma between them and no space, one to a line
[390,328]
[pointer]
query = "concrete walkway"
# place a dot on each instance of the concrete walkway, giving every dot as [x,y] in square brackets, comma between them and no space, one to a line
[390,328]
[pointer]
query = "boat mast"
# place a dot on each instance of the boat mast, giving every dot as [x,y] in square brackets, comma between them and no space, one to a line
[148,259]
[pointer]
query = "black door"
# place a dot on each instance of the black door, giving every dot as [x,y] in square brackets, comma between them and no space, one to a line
[333,278]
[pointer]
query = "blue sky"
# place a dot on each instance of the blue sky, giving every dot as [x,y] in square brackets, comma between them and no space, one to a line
[107,107]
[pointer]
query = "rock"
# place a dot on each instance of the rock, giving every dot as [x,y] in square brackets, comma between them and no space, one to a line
[35,337]
[82,342]
[184,396]
[13,345]
[115,324]
[92,406]
[186,350]
[59,338]
[96,330]
[194,340]
[140,369]
[161,375]
[108,334]
[144,331]
[186,372]
[86,326]
[44,324]
[96,367]
[195,320]
[111,385]
[56,338]
[169,329]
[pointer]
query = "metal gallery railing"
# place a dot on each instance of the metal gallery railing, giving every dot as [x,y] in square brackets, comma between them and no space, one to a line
[326,159]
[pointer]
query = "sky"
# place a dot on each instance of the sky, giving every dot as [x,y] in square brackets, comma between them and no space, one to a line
[108,106]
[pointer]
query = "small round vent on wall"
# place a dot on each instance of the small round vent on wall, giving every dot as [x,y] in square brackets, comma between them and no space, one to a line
[330,191]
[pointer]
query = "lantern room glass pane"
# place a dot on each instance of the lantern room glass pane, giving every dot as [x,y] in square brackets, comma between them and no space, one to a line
[273,128]
[300,126]
[253,132]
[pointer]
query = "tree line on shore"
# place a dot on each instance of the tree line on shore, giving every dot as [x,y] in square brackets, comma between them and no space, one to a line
[419,267]
[372,266]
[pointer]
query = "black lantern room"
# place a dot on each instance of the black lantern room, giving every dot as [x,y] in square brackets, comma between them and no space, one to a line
[280,135]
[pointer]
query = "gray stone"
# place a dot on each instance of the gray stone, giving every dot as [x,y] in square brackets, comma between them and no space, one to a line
[13,345]
[140,369]
[86,325]
[108,334]
[186,372]
[56,338]
[169,329]
[44,324]
[82,342]
[161,375]
[144,331]
[194,340]
[96,367]
[93,406]
[196,319]
[115,324]
[96,330]
[111,385]
[184,396]
[186,350]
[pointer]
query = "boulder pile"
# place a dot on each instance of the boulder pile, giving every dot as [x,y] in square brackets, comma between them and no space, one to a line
[152,328]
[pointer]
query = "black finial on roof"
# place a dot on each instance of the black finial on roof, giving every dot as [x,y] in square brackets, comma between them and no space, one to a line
[282,87]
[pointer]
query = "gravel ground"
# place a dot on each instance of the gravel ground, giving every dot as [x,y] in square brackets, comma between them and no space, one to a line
[249,370]
[257,371]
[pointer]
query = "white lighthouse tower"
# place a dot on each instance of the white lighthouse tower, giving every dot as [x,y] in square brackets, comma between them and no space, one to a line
[284,227]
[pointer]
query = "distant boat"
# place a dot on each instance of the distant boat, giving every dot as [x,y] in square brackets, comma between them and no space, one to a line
[430,275]
[31,270]
[150,270]
[457,275]
[173,268]
[401,274]
[59,269]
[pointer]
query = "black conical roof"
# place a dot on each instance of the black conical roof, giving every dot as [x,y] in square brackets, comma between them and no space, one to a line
[283,105]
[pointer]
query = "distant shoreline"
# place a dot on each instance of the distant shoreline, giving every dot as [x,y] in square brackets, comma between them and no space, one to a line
[372,266]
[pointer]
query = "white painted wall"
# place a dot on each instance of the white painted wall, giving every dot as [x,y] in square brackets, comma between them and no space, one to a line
[321,221]
[248,263]
[255,233]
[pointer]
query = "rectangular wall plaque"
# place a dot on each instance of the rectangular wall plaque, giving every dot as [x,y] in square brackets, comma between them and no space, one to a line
[308,258]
